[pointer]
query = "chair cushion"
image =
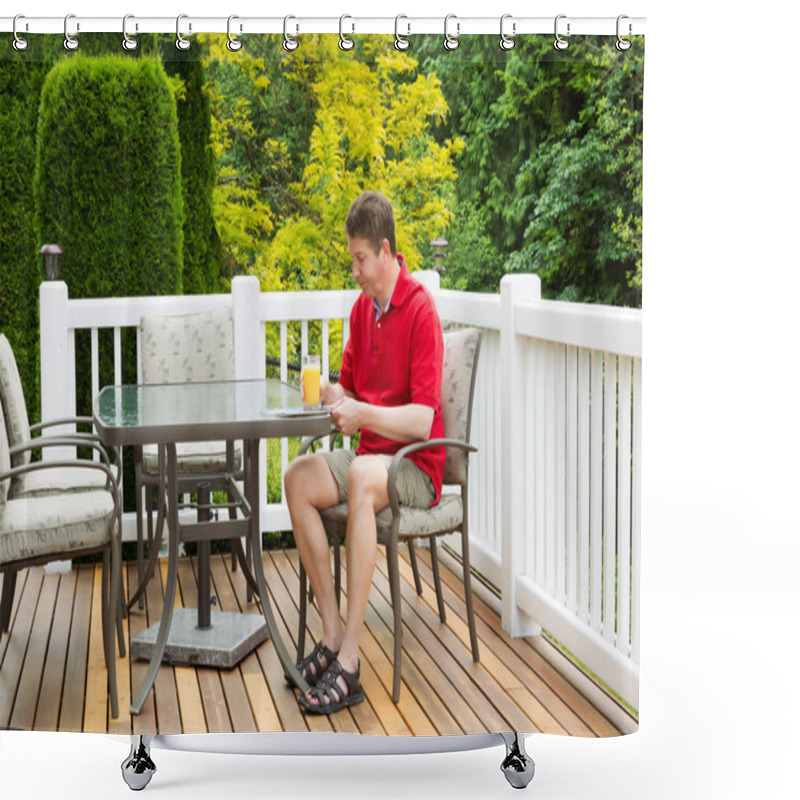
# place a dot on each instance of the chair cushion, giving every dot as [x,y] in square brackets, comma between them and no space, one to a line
[444,517]
[5,461]
[460,356]
[194,457]
[188,347]
[58,480]
[38,527]
[13,399]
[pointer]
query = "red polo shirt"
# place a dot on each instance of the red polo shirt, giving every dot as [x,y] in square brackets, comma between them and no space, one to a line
[396,359]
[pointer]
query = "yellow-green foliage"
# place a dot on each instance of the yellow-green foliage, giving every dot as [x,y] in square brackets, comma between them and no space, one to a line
[372,131]
[298,136]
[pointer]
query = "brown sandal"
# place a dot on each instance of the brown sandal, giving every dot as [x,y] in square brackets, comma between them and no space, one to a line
[329,695]
[313,662]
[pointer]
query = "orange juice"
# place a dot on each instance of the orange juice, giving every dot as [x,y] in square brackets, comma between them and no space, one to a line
[310,380]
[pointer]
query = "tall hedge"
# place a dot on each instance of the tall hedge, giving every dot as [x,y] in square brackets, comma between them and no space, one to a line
[108,185]
[201,245]
[20,270]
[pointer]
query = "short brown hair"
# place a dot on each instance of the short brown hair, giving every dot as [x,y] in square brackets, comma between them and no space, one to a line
[372,217]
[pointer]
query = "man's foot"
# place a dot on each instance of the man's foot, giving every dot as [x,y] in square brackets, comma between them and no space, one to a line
[335,690]
[313,666]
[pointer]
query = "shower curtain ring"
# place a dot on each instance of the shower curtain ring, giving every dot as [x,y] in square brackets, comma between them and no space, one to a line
[451,42]
[507,42]
[70,42]
[622,44]
[561,43]
[182,43]
[234,43]
[128,42]
[19,43]
[289,44]
[400,42]
[345,42]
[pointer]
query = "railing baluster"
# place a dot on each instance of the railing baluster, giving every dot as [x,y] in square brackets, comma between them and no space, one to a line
[624,507]
[596,492]
[538,445]
[117,355]
[636,507]
[95,363]
[609,497]
[551,466]
[584,484]
[561,471]
[572,478]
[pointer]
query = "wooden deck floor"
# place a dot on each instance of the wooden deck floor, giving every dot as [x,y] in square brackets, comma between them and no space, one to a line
[52,675]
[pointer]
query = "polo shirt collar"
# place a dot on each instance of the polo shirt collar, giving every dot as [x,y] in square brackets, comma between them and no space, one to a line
[401,287]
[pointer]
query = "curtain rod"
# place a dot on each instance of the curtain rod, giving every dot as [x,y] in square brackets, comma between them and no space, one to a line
[404,25]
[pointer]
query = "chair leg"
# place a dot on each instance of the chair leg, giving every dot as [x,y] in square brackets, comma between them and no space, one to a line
[118,588]
[7,601]
[437,581]
[111,597]
[337,568]
[412,557]
[303,611]
[394,586]
[473,636]
[140,538]
[232,515]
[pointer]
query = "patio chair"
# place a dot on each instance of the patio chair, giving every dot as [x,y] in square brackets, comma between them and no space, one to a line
[36,530]
[398,523]
[189,348]
[19,431]
[55,480]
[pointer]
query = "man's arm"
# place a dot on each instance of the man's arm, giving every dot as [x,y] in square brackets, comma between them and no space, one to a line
[407,423]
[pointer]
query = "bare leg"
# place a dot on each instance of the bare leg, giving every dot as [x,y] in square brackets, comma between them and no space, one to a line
[310,486]
[367,494]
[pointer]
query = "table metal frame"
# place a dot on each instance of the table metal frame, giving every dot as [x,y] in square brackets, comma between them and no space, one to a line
[250,429]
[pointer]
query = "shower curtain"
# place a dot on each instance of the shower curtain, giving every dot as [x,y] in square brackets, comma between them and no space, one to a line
[515,174]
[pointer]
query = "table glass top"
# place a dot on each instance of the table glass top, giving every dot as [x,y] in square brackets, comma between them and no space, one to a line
[179,404]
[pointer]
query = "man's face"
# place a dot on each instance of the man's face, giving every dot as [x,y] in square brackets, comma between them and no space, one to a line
[370,269]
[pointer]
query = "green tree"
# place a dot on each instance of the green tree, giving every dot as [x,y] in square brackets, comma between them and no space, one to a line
[551,166]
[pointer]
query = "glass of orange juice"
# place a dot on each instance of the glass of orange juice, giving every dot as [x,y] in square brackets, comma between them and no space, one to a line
[309,381]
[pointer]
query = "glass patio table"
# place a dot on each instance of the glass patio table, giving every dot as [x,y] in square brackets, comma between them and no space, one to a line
[164,415]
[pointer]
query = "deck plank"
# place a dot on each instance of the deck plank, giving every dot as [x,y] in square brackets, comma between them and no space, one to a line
[282,694]
[488,697]
[54,669]
[18,589]
[123,725]
[145,721]
[17,645]
[31,674]
[95,706]
[552,689]
[190,700]
[260,701]
[49,704]
[71,718]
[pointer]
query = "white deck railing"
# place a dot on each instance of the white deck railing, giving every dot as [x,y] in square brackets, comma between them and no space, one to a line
[555,486]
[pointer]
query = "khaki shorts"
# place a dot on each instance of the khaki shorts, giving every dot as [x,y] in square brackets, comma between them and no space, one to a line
[414,487]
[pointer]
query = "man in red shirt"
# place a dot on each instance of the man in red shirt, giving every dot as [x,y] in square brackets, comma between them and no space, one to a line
[389,389]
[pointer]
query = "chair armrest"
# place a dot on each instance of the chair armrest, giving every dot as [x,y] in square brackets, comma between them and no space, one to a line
[63,421]
[309,440]
[394,465]
[80,463]
[70,441]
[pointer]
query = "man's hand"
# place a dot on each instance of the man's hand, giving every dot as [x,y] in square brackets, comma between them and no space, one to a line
[330,393]
[346,415]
